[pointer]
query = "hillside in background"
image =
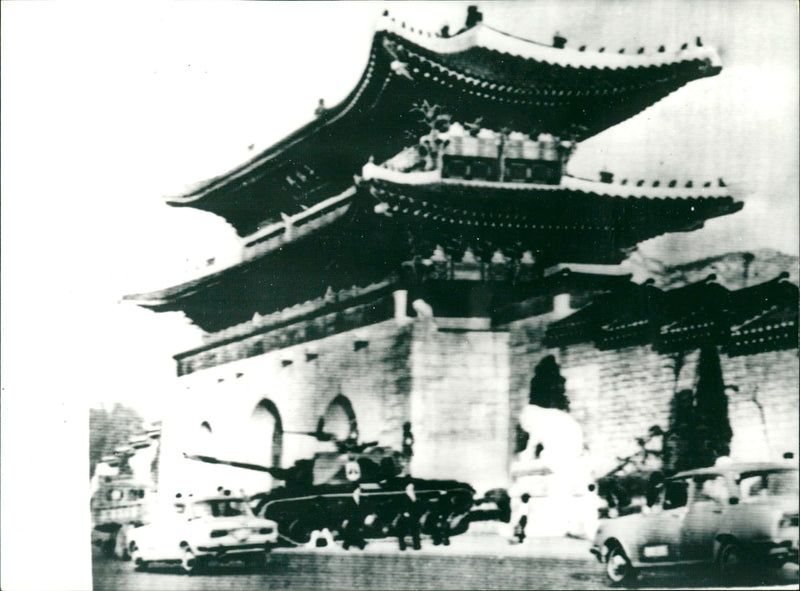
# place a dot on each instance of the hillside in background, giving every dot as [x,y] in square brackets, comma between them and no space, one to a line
[734,270]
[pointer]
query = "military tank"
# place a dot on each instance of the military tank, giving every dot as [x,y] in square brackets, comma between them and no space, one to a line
[320,492]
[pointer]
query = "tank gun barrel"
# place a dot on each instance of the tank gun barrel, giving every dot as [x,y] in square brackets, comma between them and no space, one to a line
[279,473]
[318,435]
[347,446]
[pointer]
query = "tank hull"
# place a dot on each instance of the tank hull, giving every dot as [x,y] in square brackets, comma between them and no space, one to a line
[301,512]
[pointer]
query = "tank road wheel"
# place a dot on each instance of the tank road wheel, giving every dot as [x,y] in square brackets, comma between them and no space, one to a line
[136,557]
[619,570]
[189,563]
[298,532]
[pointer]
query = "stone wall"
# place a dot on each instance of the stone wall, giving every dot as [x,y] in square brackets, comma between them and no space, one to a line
[459,405]
[616,395]
[367,366]
[452,384]
[462,388]
[764,412]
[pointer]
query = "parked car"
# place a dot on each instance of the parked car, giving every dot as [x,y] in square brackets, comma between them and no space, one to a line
[117,505]
[195,532]
[736,516]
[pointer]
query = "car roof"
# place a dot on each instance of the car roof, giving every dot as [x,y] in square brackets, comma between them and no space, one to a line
[736,467]
[213,498]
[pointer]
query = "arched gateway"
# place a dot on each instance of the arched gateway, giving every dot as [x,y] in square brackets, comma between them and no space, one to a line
[266,434]
[339,418]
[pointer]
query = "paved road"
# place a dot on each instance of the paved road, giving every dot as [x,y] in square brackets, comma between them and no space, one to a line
[472,562]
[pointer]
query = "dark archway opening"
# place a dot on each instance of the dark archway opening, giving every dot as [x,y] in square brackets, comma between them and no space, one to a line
[339,419]
[266,420]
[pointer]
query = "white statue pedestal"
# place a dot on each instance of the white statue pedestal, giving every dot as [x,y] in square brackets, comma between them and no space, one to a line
[551,490]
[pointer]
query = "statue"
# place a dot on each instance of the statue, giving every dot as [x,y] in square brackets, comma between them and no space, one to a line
[551,474]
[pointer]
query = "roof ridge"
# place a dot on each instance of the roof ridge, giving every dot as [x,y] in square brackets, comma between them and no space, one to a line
[487,37]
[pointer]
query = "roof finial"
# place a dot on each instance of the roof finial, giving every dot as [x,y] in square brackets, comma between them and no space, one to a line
[320,110]
[474,16]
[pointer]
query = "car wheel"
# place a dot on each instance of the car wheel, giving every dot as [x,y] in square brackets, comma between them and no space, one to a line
[732,565]
[136,557]
[189,562]
[109,545]
[619,570]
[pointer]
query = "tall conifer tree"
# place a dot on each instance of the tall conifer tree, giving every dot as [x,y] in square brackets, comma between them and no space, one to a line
[711,409]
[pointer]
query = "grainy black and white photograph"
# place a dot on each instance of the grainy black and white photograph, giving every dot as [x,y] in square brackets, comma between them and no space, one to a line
[400,295]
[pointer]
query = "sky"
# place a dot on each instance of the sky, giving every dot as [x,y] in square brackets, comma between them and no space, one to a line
[108,107]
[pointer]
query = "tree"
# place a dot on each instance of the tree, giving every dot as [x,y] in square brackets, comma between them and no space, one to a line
[699,428]
[678,443]
[548,386]
[711,409]
[109,430]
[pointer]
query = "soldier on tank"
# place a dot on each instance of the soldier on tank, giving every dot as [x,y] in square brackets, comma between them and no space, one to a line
[353,524]
[439,521]
[406,524]
[408,441]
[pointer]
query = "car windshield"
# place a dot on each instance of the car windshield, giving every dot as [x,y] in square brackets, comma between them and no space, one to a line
[754,485]
[220,508]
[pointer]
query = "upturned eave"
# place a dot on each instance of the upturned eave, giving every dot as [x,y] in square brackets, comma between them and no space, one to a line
[567,92]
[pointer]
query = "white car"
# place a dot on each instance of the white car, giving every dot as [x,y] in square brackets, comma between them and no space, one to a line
[740,516]
[193,532]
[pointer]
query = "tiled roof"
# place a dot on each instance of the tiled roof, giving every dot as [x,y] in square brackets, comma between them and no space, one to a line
[479,73]
[631,320]
[368,231]
[483,36]
[764,317]
[559,219]
[611,320]
[750,320]
[695,314]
